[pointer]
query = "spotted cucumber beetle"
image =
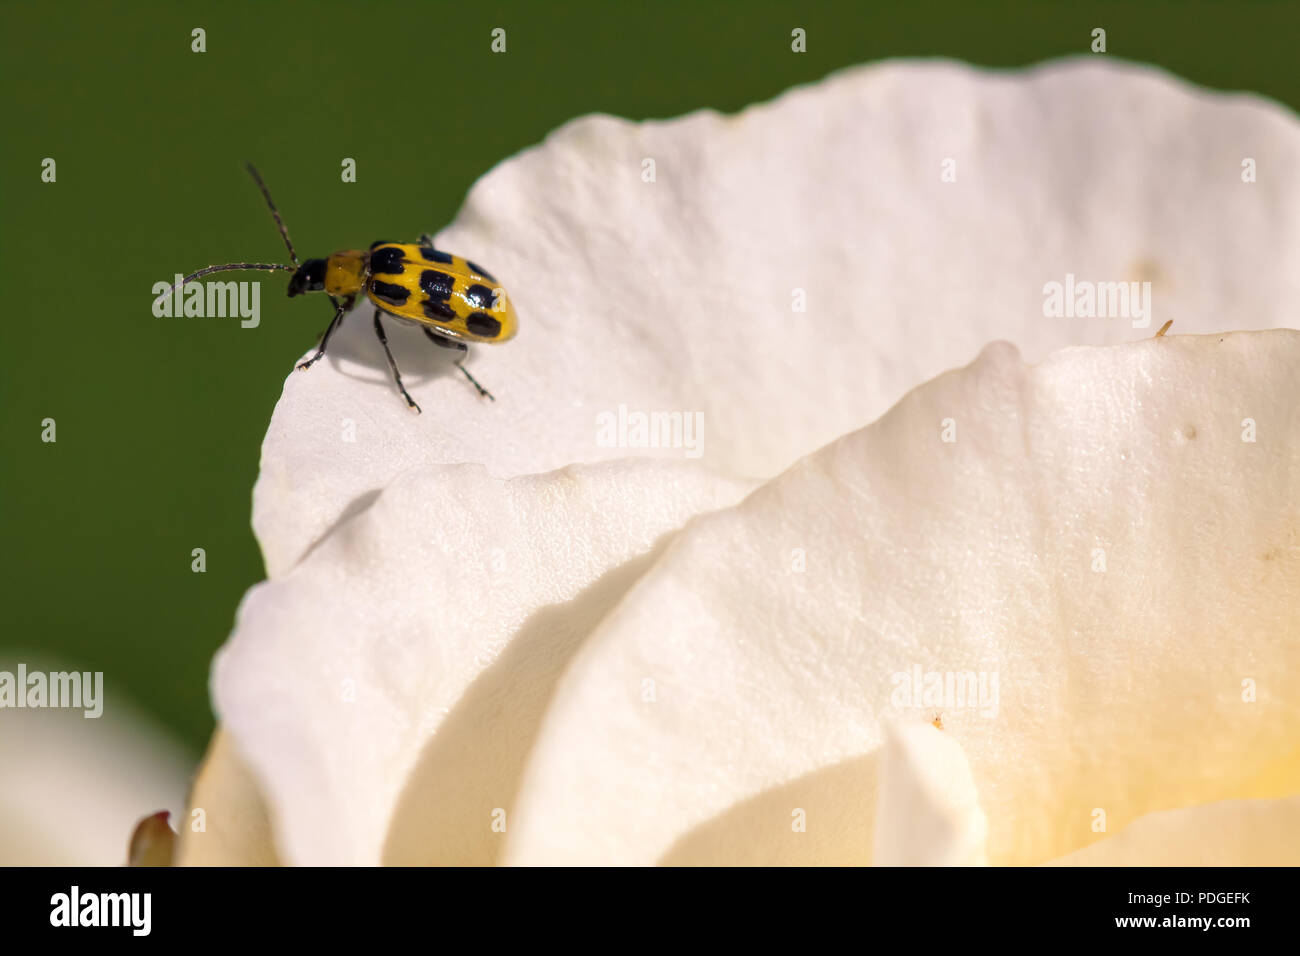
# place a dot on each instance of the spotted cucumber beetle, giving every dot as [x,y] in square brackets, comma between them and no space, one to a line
[451,299]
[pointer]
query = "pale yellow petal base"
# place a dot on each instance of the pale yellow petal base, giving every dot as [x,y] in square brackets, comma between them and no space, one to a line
[236,829]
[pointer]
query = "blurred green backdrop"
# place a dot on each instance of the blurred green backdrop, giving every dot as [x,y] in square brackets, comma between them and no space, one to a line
[160,421]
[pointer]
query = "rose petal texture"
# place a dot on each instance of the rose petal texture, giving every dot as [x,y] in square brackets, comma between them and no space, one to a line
[1161,676]
[385,689]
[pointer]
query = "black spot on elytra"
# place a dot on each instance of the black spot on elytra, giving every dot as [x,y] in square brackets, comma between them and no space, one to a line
[387,261]
[480,323]
[390,293]
[433,255]
[435,284]
[381,242]
[480,271]
[438,310]
[479,296]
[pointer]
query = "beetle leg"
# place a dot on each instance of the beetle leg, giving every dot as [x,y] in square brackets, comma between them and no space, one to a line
[463,349]
[397,376]
[340,309]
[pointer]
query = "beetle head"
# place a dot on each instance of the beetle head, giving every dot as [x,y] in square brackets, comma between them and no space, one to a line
[310,277]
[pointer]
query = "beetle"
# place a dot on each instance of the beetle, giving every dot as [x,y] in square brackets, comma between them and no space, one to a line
[452,300]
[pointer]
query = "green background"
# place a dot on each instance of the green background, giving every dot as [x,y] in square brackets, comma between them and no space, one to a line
[160,421]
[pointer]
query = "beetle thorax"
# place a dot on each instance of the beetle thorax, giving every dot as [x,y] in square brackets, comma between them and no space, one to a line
[345,272]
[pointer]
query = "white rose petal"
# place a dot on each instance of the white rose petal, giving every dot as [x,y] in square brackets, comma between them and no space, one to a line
[394,680]
[1124,689]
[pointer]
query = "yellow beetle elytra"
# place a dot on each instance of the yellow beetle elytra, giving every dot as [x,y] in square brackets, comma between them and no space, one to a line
[450,298]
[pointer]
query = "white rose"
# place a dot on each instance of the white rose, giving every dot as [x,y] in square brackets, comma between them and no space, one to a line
[490,635]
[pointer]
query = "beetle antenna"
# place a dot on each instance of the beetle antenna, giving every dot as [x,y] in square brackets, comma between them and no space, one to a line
[229,267]
[275,213]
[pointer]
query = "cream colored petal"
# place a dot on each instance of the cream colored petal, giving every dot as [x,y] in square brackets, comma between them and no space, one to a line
[227,823]
[1113,566]
[1231,833]
[927,810]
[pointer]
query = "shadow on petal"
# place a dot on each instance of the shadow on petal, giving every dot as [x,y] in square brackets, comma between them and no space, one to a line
[474,762]
[839,805]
